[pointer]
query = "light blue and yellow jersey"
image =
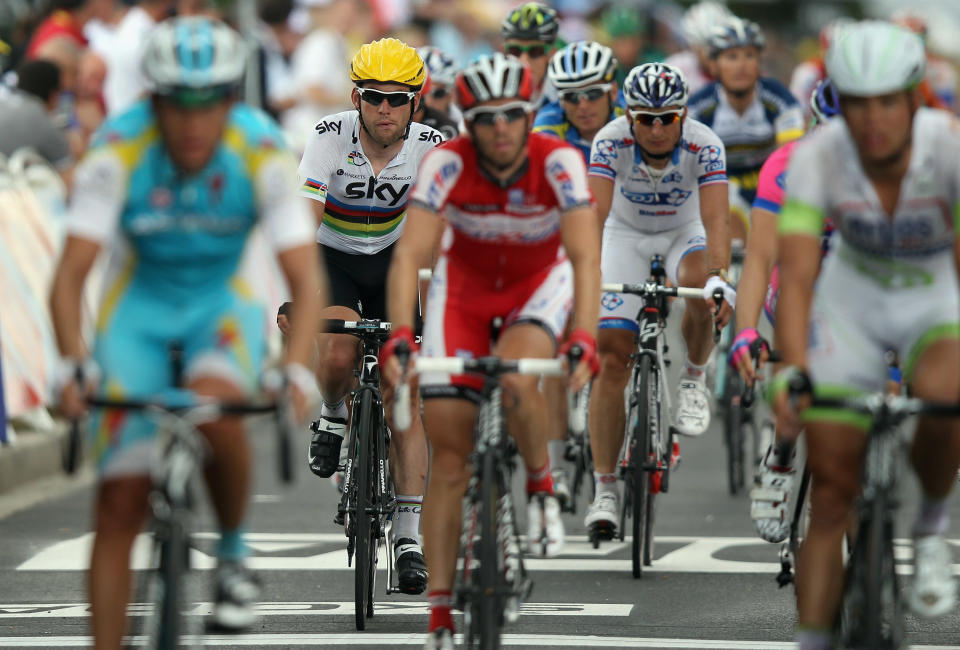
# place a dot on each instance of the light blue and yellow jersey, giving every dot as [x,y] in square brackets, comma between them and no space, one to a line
[552,119]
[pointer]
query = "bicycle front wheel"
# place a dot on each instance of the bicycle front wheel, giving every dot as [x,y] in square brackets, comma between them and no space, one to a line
[487,605]
[174,550]
[362,518]
[640,460]
[733,434]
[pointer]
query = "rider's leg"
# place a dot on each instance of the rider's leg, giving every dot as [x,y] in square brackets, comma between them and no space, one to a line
[120,510]
[834,459]
[449,423]
[607,416]
[936,457]
[555,392]
[697,325]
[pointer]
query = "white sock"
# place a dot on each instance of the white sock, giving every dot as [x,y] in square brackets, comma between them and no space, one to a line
[556,449]
[606,483]
[338,410]
[694,371]
[406,523]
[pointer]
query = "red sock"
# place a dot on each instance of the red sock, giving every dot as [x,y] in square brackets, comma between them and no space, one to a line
[539,480]
[440,603]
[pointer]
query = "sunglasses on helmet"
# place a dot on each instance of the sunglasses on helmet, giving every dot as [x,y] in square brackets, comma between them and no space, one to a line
[487,116]
[533,51]
[649,119]
[376,97]
[591,94]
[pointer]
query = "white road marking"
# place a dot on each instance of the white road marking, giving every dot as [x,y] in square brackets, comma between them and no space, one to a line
[366,639]
[387,608]
[695,555]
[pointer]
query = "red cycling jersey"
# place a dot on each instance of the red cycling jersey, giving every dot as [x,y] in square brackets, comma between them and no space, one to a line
[504,232]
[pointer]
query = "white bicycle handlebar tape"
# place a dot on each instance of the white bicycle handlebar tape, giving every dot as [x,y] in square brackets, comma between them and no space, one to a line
[401,407]
[455,366]
[424,274]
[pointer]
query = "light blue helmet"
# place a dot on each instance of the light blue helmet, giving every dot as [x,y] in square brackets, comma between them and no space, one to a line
[580,64]
[194,55]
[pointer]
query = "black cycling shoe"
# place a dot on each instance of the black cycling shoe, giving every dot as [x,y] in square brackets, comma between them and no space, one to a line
[324,456]
[411,568]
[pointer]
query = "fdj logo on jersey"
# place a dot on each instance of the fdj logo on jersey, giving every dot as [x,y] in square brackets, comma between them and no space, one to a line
[370,189]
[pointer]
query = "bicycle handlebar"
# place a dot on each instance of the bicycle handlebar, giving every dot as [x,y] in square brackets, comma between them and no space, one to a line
[356,327]
[490,366]
[642,290]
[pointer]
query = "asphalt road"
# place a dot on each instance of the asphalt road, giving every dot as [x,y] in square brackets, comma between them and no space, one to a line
[711,585]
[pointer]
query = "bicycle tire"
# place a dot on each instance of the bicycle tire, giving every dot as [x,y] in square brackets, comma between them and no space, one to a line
[488,611]
[174,550]
[733,434]
[640,459]
[878,548]
[363,527]
[650,512]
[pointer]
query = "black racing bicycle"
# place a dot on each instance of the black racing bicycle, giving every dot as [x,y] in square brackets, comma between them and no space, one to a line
[368,499]
[492,582]
[577,450]
[183,455]
[649,438]
[871,610]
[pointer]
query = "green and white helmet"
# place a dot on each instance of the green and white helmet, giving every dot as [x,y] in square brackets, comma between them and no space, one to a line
[875,57]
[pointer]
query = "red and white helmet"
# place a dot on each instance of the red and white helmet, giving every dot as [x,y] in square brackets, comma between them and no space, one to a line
[493,76]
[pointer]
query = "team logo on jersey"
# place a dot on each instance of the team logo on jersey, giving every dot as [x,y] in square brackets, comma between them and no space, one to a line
[675,197]
[439,179]
[371,189]
[782,180]
[709,154]
[161,198]
[515,196]
[611,301]
[604,151]
[324,126]
[673,177]
[355,158]
[216,187]
[563,179]
[641,172]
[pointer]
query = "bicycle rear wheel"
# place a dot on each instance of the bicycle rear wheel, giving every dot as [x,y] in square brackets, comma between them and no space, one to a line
[488,597]
[640,461]
[363,525]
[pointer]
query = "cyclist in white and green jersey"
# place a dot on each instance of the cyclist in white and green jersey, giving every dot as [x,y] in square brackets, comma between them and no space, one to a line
[888,174]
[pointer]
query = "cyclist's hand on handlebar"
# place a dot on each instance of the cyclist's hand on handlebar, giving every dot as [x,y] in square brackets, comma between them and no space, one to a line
[791,392]
[582,345]
[715,284]
[400,344]
[742,354]
[73,382]
[294,382]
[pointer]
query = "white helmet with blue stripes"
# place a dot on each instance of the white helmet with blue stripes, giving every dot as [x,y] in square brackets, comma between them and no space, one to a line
[655,85]
[193,53]
[581,64]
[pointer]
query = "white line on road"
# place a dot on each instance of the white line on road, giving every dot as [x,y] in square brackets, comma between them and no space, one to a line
[694,555]
[362,639]
[388,608]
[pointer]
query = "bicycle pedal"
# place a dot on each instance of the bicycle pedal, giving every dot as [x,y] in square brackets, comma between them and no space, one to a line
[602,531]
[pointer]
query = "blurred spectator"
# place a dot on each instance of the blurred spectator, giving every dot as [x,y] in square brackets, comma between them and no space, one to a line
[694,62]
[462,29]
[25,114]
[627,29]
[320,68]
[940,84]
[121,52]
[67,21]
[278,38]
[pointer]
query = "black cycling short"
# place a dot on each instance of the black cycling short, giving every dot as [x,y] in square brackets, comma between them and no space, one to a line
[358,281]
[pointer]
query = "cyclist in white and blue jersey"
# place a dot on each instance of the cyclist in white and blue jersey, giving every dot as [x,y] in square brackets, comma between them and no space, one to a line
[173,186]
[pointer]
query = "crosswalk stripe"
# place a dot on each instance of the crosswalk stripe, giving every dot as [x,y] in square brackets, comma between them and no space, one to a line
[363,639]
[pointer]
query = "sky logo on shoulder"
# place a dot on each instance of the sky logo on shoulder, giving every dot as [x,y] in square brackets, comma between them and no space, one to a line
[355,158]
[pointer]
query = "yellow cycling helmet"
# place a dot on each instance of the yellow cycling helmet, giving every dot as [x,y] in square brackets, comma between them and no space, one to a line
[388,61]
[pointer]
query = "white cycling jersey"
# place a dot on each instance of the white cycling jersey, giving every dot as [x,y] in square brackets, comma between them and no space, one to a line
[363,213]
[654,201]
[890,282]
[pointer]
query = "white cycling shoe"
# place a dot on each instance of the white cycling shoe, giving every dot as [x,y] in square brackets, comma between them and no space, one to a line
[545,533]
[603,514]
[439,639]
[693,407]
[561,485]
[770,497]
[933,592]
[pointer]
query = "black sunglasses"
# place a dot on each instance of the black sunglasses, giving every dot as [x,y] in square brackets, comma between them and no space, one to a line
[533,51]
[376,97]
[439,93]
[590,94]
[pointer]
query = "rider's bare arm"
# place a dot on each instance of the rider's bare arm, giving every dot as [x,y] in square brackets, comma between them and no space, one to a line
[414,250]
[758,264]
[66,295]
[582,243]
[602,190]
[715,214]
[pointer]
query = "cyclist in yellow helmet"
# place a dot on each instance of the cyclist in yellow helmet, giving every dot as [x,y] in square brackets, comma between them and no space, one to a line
[358,167]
